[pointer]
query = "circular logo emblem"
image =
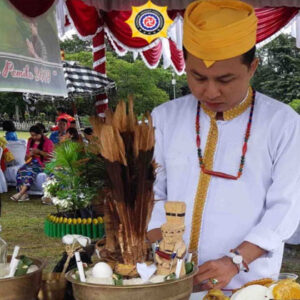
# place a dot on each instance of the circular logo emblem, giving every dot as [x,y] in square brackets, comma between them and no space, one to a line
[149,21]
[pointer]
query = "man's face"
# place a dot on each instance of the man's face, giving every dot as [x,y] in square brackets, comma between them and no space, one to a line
[62,126]
[221,86]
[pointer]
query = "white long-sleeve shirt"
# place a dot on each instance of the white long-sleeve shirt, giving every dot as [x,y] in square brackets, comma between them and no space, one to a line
[262,207]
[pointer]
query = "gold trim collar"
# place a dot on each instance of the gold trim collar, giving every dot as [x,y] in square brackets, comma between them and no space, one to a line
[233,112]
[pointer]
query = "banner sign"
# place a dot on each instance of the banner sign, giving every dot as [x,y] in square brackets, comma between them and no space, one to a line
[29,53]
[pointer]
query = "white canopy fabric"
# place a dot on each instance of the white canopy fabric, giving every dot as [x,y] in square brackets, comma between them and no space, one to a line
[108,5]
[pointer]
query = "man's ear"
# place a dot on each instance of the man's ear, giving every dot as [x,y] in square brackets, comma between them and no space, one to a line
[253,66]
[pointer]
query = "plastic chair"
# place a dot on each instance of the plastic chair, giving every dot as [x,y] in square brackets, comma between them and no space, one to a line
[18,149]
[37,187]
[3,184]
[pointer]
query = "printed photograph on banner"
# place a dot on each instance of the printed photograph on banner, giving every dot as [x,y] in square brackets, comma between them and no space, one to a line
[29,53]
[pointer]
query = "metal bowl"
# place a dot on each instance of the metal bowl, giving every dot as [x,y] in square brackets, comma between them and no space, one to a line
[53,287]
[24,287]
[179,289]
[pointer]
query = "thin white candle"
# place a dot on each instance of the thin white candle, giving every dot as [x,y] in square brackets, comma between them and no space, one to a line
[80,267]
[15,254]
[13,268]
[178,267]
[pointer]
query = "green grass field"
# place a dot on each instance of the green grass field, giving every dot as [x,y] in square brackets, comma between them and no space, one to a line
[21,134]
[23,225]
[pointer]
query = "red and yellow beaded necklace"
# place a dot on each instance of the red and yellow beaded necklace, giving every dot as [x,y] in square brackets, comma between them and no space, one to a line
[244,148]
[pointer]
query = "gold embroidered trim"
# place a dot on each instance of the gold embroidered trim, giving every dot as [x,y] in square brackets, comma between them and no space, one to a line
[204,179]
[233,112]
[202,189]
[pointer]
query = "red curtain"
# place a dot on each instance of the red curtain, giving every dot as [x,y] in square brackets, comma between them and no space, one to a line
[271,20]
[32,8]
[115,21]
[176,57]
[85,18]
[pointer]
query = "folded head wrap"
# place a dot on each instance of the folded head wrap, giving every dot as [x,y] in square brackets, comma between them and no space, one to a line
[219,29]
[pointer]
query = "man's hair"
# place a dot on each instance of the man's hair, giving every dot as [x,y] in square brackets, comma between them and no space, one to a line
[9,126]
[63,120]
[73,122]
[247,58]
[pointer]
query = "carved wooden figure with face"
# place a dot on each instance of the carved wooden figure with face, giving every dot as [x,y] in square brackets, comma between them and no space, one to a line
[172,247]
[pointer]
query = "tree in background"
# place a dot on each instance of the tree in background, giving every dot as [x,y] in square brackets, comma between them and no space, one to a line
[149,87]
[9,101]
[75,45]
[279,72]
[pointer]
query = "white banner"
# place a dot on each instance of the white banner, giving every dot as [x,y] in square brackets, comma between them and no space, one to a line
[29,53]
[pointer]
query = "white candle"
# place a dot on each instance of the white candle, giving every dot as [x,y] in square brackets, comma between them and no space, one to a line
[15,254]
[178,267]
[80,267]
[13,267]
[189,257]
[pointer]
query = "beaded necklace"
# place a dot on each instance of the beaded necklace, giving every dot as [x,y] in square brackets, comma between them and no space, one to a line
[244,148]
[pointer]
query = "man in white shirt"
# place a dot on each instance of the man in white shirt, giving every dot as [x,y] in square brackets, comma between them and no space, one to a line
[230,153]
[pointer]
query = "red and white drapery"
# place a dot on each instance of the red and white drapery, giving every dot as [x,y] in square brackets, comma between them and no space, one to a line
[93,24]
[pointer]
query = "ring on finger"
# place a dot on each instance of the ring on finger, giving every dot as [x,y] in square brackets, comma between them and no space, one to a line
[214,281]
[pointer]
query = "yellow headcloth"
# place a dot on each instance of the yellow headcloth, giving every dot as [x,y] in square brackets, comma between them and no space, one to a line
[219,29]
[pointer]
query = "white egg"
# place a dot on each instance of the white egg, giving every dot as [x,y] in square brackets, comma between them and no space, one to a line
[102,270]
[269,294]
[235,295]
[257,292]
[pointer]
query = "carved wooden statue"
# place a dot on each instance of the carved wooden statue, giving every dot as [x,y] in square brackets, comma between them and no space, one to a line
[172,247]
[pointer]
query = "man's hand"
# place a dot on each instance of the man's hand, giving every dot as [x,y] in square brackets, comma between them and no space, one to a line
[222,270]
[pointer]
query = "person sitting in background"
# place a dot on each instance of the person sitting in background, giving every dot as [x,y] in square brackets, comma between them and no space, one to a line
[10,129]
[88,134]
[58,135]
[7,159]
[39,149]
[73,124]
[62,115]
[73,135]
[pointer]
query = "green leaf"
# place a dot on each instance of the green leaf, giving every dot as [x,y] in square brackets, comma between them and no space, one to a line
[189,267]
[118,279]
[171,276]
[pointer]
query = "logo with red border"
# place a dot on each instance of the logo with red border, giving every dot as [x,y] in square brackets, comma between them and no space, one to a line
[149,21]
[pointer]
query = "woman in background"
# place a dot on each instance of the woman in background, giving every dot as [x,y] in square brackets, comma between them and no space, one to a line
[73,135]
[39,149]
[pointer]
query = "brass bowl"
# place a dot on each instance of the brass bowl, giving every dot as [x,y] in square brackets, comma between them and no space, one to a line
[179,289]
[24,287]
[53,287]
